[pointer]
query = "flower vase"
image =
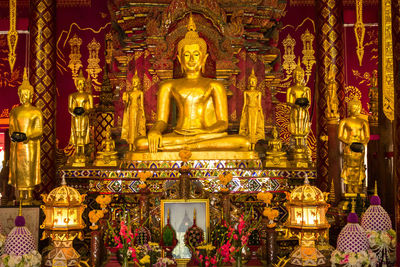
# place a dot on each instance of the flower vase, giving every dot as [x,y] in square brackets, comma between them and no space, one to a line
[238,261]
[125,262]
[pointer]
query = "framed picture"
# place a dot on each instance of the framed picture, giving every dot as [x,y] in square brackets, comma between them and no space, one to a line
[181,213]
[31,215]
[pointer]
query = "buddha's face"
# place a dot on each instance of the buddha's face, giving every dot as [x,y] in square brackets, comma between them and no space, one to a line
[253,82]
[135,83]
[354,109]
[298,76]
[80,85]
[192,59]
[25,96]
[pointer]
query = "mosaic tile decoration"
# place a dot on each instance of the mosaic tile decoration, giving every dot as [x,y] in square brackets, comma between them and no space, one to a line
[248,176]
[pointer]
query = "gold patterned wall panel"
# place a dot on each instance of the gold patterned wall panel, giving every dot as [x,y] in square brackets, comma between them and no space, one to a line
[387,60]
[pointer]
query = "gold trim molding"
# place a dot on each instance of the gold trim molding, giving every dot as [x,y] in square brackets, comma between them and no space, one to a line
[387,60]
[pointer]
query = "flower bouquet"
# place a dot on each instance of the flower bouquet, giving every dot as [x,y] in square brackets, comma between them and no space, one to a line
[352,259]
[32,259]
[383,243]
[150,255]
[121,235]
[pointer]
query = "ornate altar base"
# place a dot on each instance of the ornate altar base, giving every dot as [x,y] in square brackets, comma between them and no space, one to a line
[195,155]
[248,176]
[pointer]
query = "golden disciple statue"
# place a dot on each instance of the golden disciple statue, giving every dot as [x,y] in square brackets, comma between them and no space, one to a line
[80,104]
[107,156]
[134,120]
[332,102]
[25,132]
[202,117]
[252,120]
[354,133]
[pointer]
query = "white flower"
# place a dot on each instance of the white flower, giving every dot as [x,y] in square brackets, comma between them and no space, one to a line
[14,260]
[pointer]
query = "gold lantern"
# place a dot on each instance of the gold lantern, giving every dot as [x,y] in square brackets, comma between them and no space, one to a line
[307,208]
[63,209]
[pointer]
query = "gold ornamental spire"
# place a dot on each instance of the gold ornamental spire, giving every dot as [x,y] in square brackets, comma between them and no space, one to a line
[252,75]
[376,188]
[12,36]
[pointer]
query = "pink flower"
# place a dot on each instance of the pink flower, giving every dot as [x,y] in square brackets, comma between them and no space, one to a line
[119,246]
[213,261]
[122,232]
[244,239]
[235,237]
[241,225]
[117,239]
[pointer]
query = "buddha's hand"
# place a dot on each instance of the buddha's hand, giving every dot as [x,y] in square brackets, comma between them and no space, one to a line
[154,138]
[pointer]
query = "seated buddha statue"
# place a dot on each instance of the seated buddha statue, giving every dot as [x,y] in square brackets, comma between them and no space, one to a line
[107,156]
[275,157]
[202,117]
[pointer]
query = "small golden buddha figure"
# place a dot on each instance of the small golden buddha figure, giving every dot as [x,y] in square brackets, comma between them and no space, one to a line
[354,133]
[298,98]
[202,108]
[107,156]
[80,104]
[25,132]
[332,102]
[134,120]
[275,157]
[252,120]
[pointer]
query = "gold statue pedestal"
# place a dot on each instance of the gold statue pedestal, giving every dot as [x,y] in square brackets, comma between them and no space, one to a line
[276,160]
[300,155]
[106,161]
[77,161]
[196,155]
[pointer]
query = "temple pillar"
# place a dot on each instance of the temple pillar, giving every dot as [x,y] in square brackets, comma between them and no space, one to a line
[330,51]
[396,129]
[43,79]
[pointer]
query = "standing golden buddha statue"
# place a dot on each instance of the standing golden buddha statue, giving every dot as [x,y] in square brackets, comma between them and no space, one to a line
[354,133]
[134,120]
[202,117]
[298,98]
[25,132]
[80,104]
[252,120]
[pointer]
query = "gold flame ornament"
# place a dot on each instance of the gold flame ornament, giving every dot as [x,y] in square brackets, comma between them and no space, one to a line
[12,36]
[359,30]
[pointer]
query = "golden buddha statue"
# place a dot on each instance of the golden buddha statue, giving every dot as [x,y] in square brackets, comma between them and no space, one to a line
[252,120]
[107,156]
[332,102]
[298,98]
[275,157]
[25,132]
[202,117]
[354,133]
[134,120]
[80,104]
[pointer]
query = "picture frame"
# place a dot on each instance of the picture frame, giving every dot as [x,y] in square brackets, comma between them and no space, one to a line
[181,218]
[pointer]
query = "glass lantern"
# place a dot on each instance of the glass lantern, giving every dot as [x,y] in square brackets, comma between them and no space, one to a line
[307,208]
[63,209]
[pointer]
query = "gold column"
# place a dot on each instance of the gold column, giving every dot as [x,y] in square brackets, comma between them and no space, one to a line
[43,76]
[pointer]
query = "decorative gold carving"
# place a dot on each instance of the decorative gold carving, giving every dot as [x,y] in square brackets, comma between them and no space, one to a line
[359,30]
[75,62]
[289,57]
[332,102]
[308,52]
[387,60]
[373,99]
[12,36]
[93,68]
[109,47]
